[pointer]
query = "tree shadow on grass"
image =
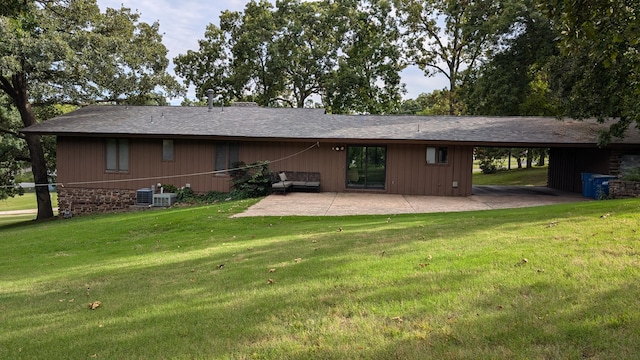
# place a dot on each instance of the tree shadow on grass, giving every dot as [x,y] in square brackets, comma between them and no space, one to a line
[317,306]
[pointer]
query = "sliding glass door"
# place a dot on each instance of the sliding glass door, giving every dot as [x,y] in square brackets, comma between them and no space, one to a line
[366,167]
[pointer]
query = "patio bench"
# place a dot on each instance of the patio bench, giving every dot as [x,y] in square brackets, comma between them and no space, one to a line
[284,181]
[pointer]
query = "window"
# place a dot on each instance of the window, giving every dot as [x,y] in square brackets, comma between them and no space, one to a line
[437,155]
[117,154]
[227,154]
[167,150]
[366,167]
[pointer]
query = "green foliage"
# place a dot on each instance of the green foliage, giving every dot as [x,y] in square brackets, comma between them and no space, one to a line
[367,77]
[169,188]
[598,73]
[251,181]
[632,174]
[68,52]
[488,157]
[458,34]
[515,80]
[346,52]
[434,103]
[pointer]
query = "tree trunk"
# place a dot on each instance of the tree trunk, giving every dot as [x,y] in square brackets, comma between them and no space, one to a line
[529,158]
[36,151]
[451,86]
[40,177]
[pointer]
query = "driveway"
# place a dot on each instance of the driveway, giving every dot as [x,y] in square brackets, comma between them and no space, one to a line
[337,204]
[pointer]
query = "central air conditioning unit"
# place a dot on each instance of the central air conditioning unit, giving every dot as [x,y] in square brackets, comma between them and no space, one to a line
[164,200]
[144,197]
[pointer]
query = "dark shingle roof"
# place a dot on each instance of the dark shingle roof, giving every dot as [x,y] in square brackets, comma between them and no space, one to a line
[287,123]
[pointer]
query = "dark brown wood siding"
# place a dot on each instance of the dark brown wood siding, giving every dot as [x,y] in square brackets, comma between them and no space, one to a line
[567,164]
[409,174]
[81,163]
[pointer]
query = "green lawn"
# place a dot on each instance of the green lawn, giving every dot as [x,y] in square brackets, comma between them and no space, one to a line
[24,202]
[555,282]
[536,176]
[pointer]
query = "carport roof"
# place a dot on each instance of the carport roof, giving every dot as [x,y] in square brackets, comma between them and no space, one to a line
[313,124]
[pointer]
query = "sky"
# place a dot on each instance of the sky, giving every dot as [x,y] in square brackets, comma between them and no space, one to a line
[183,22]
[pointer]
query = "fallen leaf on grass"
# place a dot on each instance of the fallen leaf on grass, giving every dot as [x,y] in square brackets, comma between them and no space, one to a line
[94,305]
[297,260]
[553,223]
[423,265]
[221,266]
[272,270]
[397,318]
[270,281]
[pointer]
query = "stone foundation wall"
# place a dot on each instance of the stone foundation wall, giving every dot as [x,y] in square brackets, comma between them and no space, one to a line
[75,202]
[619,189]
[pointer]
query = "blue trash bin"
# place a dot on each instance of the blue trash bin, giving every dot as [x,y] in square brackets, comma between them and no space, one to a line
[599,189]
[587,185]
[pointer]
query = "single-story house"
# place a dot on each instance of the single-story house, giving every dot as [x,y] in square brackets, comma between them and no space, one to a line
[106,153]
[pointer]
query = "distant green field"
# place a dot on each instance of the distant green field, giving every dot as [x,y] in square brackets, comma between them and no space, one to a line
[536,176]
[24,202]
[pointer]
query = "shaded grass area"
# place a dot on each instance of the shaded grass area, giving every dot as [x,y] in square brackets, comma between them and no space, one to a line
[549,282]
[536,176]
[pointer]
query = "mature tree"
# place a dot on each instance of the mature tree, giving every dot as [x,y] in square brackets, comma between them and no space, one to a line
[514,81]
[255,68]
[67,51]
[367,79]
[600,72]
[450,36]
[305,44]
[344,52]
[209,67]
[237,59]
[436,102]
[12,149]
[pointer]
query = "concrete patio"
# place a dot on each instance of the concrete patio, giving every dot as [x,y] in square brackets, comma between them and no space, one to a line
[337,204]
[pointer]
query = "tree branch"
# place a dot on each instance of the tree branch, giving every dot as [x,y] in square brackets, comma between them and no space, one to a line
[5,85]
[282,99]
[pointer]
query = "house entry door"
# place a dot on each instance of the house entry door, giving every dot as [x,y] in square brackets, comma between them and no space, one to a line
[366,167]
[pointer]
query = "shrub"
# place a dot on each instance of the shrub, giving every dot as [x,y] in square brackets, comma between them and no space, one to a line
[632,174]
[168,188]
[251,181]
